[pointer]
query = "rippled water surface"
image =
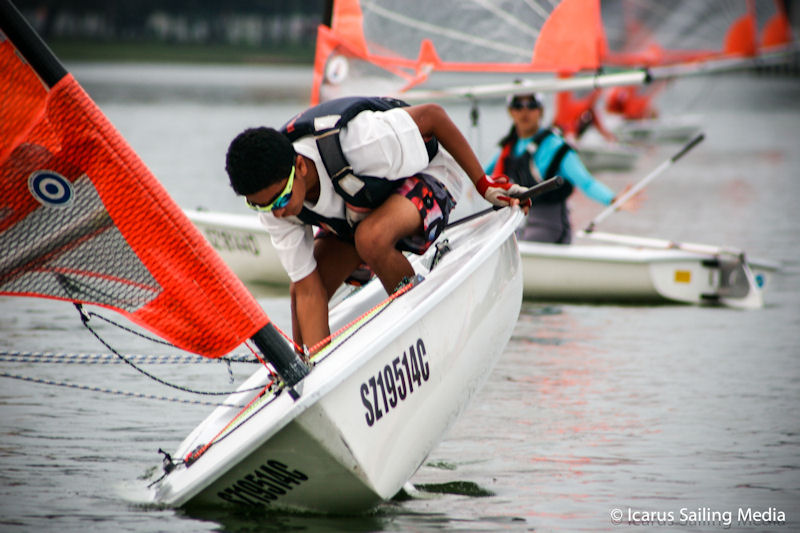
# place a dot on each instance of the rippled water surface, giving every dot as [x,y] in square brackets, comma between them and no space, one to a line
[594,414]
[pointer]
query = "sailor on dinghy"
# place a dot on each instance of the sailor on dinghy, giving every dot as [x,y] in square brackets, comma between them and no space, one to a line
[576,114]
[528,155]
[376,175]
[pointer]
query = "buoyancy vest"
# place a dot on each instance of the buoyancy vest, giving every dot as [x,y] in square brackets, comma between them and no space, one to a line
[325,121]
[522,170]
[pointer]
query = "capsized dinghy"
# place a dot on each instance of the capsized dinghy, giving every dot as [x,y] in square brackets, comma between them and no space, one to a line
[380,396]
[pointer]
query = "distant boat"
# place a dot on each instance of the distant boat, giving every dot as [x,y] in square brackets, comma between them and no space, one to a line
[606,156]
[638,270]
[658,130]
[634,274]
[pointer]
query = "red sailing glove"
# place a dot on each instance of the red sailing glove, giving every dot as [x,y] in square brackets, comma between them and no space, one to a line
[497,190]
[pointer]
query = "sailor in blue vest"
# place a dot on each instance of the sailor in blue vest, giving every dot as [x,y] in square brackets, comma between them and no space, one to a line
[379,177]
[530,154]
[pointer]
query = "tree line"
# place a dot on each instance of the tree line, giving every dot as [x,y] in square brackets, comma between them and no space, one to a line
[254,21]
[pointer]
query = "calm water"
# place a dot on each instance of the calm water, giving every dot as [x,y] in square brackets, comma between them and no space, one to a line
[591,411]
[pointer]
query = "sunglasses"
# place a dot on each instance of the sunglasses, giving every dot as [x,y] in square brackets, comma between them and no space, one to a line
[280,201]
[524,104]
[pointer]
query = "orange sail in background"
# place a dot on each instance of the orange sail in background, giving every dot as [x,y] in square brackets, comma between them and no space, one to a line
[82,219]
[657,34]
[398,45]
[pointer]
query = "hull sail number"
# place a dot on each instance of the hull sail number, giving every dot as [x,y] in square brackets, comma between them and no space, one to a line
[395,382]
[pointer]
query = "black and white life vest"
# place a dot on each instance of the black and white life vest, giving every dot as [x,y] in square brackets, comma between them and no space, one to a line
[325,121]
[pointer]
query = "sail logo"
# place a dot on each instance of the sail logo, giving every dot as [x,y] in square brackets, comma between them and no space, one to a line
[50,188]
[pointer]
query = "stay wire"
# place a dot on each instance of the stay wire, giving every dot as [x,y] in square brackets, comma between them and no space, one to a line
[85,317]
[128,394]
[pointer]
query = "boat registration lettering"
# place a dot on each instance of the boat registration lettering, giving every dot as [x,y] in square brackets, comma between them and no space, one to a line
[263,485]
[229,241]
[395,382]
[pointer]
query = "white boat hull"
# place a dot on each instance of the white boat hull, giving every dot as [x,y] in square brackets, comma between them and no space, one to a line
[352,439]
[607,156]
[244,245]
[658,130]
[579,272]
[631,274]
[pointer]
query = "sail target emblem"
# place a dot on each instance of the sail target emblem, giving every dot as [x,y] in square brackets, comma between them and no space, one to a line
[337,69]
[50,188]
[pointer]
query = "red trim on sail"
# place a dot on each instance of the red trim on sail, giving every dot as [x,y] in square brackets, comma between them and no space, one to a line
[571,38]
[348,22]
[778,30]
[741,37]
[29,101]
[326,43]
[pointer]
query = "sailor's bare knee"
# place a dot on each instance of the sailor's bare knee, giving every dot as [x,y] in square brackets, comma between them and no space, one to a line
[371,242]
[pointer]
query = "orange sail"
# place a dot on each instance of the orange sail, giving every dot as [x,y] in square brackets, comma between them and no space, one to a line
[381,46]
[658,33]
[82,219]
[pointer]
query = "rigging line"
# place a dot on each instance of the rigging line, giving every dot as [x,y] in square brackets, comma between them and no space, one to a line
[533,5]
[85,320]
[229,428]
[453,34]
[112,359]
[128,394]
[509,18]
[355,326]
[129,330]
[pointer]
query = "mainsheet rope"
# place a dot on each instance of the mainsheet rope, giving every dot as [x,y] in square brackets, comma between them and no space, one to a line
[316,351]
[85,317]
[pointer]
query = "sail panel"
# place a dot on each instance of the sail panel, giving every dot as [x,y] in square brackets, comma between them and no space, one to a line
[647,33]
[83,219]
[384,46]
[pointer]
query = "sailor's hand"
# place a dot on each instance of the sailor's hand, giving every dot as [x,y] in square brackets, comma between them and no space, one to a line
[631,204]
[497,190]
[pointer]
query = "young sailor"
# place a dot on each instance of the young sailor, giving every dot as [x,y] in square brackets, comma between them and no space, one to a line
[378,177]
[529,154]
[632,102]
[575,114]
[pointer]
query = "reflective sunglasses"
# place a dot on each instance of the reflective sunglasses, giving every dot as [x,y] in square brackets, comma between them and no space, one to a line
[280,201]
[524,104]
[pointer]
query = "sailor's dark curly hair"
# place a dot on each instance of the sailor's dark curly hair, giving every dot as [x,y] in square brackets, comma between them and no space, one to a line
[257,158]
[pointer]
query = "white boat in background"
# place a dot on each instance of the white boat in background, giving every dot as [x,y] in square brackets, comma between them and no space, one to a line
[607,156]
[634,271]
[658,130]
[243,244]
[636,274]
[377,402]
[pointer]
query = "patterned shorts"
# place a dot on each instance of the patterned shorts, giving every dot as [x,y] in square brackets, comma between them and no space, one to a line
[434,204]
